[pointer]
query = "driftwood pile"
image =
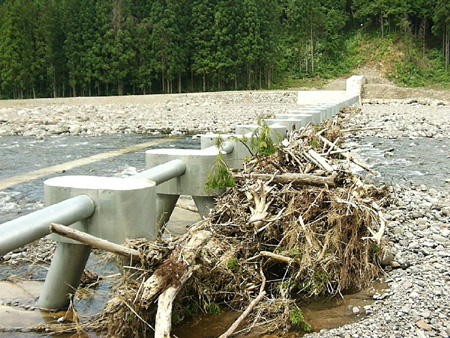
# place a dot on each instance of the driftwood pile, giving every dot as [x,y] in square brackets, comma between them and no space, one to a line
[297,224]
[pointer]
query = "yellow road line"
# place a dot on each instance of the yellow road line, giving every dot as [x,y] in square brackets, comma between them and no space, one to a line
[11,181]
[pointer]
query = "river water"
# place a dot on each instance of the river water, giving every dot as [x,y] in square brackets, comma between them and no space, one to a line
[397,161]
[19,155]
[402,160]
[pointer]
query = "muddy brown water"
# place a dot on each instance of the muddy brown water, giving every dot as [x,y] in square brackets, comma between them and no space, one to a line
[321,313]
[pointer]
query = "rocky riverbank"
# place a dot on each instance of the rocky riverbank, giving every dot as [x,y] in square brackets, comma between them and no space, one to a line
[151,114]
[417,303]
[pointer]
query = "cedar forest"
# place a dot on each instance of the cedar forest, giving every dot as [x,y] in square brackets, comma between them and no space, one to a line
[55,48]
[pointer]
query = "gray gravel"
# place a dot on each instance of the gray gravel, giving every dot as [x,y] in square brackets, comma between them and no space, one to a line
[152,114]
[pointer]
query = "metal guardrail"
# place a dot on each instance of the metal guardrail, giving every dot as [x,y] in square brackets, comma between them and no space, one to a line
[26,229]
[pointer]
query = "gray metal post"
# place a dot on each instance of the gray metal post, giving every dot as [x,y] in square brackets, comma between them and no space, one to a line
[64,275]
[204,204]
[26,229]
[159,174]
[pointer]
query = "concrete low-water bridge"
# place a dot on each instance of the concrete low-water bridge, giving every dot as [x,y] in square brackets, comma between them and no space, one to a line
[115,209]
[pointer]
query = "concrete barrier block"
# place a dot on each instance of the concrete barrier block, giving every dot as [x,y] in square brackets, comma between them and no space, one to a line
[198,164]
[244,129]
[239,152]
[354,85]
[123,207]
[304,118]
[288,124]
[317,114]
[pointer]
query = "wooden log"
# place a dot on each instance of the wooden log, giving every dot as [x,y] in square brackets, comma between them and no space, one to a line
[360,129]
[300,179]
[349,157]
[163,321]
[185,256]
[322,161]
[93,241]
[249,308]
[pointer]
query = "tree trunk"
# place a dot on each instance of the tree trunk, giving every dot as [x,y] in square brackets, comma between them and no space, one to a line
[382,25]
[260,78]
[54,85]
[306,59]
[204,82]
[447,45]
[288,178]
[93,241]
[424,35]
[299,60]
[179,83]
[312,52]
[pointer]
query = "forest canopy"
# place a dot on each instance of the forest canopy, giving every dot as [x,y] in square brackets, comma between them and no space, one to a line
[54,48]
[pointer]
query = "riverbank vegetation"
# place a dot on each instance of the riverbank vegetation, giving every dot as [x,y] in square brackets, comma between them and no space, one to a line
[51,48]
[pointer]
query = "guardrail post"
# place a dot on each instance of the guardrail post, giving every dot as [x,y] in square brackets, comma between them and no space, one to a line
[124,208]
[64,275]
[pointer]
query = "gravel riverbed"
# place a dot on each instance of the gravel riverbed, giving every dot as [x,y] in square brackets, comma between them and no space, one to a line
[173,114]
[417,303]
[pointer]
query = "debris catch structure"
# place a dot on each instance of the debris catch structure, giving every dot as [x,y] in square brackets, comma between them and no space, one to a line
[297,224]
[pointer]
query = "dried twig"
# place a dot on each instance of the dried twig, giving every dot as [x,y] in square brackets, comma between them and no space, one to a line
[93,241]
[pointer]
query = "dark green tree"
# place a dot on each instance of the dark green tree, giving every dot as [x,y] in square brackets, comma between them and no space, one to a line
[17,48]
[203,47]
[73,44]
[250,43]
[442,27]
[226,27]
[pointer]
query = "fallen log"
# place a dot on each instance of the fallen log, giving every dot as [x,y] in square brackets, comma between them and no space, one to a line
[299,179]
[320,160]
[168,283]
[244,315]
[93,241]
[277,257]
[348,156]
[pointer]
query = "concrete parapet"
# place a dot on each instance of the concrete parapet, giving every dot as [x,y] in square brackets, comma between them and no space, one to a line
[121,210]
[288,124]
[354,85]
[198,163]
[317,114]
[244,129]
